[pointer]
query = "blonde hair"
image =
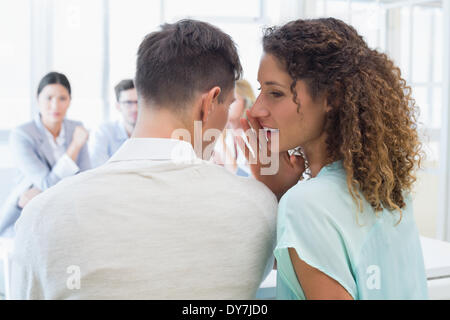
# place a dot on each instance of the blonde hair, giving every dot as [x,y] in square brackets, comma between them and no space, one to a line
[244,90]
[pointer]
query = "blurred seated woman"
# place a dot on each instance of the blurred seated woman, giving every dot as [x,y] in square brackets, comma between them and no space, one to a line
[226,151]
[45,150]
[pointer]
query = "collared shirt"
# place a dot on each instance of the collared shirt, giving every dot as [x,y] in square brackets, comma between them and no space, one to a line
[154,222]
[64,166]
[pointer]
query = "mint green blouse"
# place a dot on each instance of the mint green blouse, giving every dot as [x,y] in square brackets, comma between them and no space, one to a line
[370,256]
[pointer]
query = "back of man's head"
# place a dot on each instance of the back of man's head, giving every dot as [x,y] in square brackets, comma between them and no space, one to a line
[182,60]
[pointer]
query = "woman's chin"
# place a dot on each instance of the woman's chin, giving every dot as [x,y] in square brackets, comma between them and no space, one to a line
[51,120]
[275,147]
[56,120]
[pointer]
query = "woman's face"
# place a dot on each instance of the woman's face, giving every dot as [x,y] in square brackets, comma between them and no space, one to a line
[54,100]
[275,109]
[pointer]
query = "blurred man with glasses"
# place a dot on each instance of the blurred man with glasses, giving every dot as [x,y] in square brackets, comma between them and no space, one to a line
[108,138]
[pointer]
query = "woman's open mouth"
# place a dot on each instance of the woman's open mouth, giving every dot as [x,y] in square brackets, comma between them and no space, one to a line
[269,132]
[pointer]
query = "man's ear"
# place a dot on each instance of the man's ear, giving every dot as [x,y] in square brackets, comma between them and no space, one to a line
[209,100]
[118,107]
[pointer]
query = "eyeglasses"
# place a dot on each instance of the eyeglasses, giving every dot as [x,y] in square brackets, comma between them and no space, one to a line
[128,103]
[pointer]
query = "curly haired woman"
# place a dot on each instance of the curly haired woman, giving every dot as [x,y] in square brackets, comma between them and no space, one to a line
[347,232]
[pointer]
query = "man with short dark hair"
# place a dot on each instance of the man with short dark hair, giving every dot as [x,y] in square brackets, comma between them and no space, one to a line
[157,221]
[109,136]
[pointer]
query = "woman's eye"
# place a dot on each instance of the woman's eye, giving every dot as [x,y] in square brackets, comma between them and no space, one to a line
[276,94]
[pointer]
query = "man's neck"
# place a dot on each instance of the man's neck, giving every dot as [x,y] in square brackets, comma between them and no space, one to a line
[158,124]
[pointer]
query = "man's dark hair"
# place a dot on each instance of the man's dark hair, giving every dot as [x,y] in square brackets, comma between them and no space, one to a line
[123,85]
[183,59]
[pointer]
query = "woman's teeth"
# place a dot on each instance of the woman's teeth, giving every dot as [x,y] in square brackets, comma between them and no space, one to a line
[269,131]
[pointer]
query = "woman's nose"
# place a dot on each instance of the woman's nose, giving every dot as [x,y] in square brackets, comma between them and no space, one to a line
[258,109]
[54,104]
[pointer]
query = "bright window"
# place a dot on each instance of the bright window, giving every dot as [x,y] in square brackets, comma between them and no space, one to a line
[14,63]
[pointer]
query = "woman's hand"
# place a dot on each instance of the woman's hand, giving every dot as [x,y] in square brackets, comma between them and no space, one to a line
[290,168]
[27,196]
[79,138]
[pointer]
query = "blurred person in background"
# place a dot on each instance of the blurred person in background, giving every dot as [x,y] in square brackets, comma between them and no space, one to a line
[45,150]
[226,152]
[108,138]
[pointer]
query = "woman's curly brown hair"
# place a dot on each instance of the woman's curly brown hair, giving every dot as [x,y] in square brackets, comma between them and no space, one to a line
[372,126]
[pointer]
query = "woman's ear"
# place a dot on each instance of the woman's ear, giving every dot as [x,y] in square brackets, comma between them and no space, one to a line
[328,107]
[334,97]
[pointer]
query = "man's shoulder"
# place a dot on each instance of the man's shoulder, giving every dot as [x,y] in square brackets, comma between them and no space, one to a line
[243,197]
[248,187]
[36,211]
[66,185]
[57,200]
